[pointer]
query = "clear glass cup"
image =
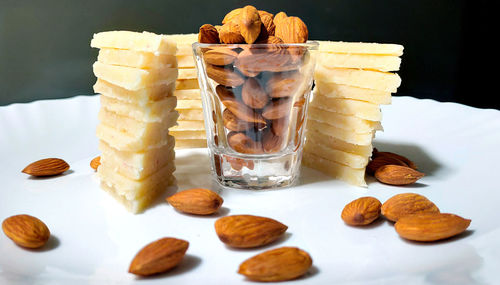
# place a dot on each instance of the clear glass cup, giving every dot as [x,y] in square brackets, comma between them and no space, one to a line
[255,100]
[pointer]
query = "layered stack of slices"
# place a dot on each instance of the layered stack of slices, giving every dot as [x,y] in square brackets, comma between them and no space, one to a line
[136,75]
[352,81]
[190,131]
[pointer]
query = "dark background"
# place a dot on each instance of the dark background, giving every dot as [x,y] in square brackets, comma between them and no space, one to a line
[449,45]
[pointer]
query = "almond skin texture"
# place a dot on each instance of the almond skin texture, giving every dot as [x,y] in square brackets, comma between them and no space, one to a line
[431,226]
[250,23]
[247,231]
[224,76]
[387,154]
[283,84]
[291,30]
[26,231]
[197,201]
[94,163]
[272,143]
[279,17]
[253,95]
[280,264]
[220,56]
[362,211]
[397,175]
[233,123]
[231,15]
[380,161]
[208,34]
[239,109]
[262,59]
[46,167]
[242,143]
[277,109]
[230,34]
[406,204]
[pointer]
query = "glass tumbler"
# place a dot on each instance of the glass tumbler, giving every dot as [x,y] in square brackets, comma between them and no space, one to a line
[255,99]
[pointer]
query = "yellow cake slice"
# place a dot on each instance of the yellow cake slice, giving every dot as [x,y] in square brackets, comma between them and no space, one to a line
[346,122]
[354,176]
[137,165]
[347,136]
[335,143]
[190,114]
[188,94]
[150,112]
[134,78]
[184,42]
[371,79]
[360,48]
[188,73]
[186,135]
[334,90]
[182,84]
[145,41]
[138,59]
[360,109]
[186,61]
[189,104]
[189,126]
[364,61]
[141,97]
[190,143]
[342,157]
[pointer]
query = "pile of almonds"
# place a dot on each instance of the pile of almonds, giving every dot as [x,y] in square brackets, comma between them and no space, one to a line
[416,217]
[259,82]
[393,169]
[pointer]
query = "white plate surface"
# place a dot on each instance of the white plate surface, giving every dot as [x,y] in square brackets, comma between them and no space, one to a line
[94,238]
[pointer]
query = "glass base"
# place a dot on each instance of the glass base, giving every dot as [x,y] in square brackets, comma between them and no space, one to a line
[256,172]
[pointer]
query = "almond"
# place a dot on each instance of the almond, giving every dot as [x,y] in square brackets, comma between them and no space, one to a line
[431,226]
[224,76]
[239,109]
[263,59]
[277,109]
[238,163]
[196,201]
[271,40]
[46,167]
[233,123]
[247,231]
[268,24]
[362,211]
[242,143]
[272,143]
[231,16]
[220,56]
[26,231]
[159,256]
[283,84]
[230,34]
[407,204]
[94,163]
[279,126]
[280,264]
[389,155]
[397,175]
[380,161]
[253,95]
[291,30]
[265,13]
[249,23]
[208,34]
[279,17]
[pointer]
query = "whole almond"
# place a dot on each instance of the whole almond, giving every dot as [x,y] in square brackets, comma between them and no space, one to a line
[291,30]
[283,84]
[279,126]
[231,16]
[224,76]
[249,23]
[277,109]
[253,95]
[220,56]
[239,109]
[159,256]
[280,264]
[233,123]
[404,204]
[362,211]
[242,143]
[247,231]
[46,167]
[389,155]
[272,143]
[239,163]
[268,24]
[94,163]
[279,17]
[271,40]
[26,231]
[265,13]
[196,201]
[230,33]
[380,161]
[397,175]
[208,34]
[262,59]
[431,226]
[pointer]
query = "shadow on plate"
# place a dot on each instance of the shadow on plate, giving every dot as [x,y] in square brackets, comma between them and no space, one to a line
[51,244]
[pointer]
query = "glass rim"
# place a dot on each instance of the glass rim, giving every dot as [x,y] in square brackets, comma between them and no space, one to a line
[308,44]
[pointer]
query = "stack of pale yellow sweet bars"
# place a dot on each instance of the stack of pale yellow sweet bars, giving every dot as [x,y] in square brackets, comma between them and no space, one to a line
[190,131]
[136,74]
[352,81]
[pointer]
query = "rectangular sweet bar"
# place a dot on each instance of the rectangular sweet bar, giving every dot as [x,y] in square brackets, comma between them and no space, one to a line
[184,42]
[347,136]
[190,143]
[185,61]
[188,94]
[189,104]
[189,126]
[137,59]
[335,143]
[190,114]
[145,41]
[342,157]
[185,135]
[346,122]
[182,84]
[188,73]
[349,107]
[141,97]
[360,48]
[334,90]
[154,111]
[354,176]
[364,61]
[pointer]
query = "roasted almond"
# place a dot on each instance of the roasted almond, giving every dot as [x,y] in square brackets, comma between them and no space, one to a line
[362,211]
[208,34]
[280,264]
[159,256]
[233,123]
[262,59]
[94,163]
[238,163]
[46,167]
[291,30]
[247,231]
[268,24]
[397,175]
[279,126]
[196,201]
[253,94]
[277,109]
[272,143]
[224,76]
[265,13]
[279,17]
[230,33]
[405,204]
[430,226]
[249,23]
[26,231]
[380,161]
[242,143]
[240,110]
[389,155]
[231,16]
[220,56]
[283,84]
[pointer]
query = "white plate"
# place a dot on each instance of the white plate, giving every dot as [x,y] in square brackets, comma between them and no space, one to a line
[94,239]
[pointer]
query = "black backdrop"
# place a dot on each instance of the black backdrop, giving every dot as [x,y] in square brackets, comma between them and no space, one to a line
[45,53]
